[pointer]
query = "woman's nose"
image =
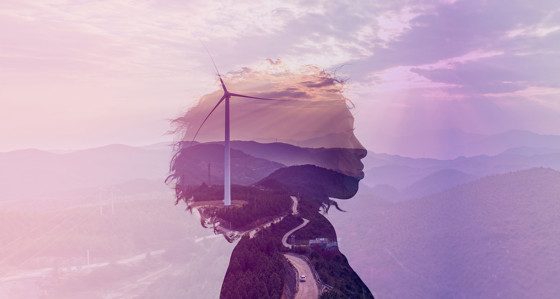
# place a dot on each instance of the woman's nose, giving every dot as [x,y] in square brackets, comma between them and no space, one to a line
[361,153]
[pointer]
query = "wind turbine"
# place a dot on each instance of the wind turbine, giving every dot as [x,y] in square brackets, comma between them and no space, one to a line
[225,98]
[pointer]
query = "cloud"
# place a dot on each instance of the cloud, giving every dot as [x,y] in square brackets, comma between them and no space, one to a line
[322,82]
[466,50]
[475,79]
[287,93]
[320,113]
[151,51]
[447,31]
[476,65]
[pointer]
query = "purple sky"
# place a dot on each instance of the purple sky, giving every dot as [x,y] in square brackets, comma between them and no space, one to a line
[76,74]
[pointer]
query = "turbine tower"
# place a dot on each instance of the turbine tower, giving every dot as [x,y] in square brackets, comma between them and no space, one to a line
[225,98]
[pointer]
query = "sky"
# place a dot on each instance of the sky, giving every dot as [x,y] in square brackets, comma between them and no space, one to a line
[77,74]
[305,107]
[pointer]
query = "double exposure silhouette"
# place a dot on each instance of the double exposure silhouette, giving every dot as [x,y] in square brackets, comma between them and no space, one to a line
[289,159]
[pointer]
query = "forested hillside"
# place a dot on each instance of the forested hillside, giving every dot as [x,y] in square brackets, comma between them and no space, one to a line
[476,240]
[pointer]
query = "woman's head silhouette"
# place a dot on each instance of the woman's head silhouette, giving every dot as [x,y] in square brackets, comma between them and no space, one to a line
[316,129]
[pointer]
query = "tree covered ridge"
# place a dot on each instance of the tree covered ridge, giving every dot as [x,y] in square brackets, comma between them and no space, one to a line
[258,205]
[257,265]
[256,270]
[260,259]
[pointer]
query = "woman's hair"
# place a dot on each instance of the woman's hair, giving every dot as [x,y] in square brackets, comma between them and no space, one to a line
[316,122]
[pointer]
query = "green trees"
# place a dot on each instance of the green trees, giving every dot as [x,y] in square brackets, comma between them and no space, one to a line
[255,270]
[334,270]
[259,205]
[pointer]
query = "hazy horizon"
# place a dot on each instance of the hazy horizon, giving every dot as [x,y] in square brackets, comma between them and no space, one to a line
[103,76]
[392,148]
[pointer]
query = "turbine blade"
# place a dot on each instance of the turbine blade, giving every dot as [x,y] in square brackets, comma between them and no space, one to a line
[211,58]
[215,67]
[223,85]
[259,98]
[207,116]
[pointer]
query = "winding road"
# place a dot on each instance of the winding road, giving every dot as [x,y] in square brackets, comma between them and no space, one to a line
[233,234]
[294,212]
[306,289]
[285,237]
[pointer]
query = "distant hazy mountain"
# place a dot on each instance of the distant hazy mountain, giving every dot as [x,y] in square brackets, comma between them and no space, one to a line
[286,154]
[325,140]
[338,159]
[159,146]
[390,178]
[396,175]
[314,181]
[531,151]
[449,144]
[494,237]
[31,173]
[437,181]
[198,162]
[419,177]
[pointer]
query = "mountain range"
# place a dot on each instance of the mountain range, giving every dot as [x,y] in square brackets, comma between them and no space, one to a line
[493,237]
[33,173]
[479,226]
[399,178]
[453,143]
[205,163]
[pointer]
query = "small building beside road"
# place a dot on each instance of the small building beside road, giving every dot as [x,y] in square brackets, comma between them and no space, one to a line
[323,244]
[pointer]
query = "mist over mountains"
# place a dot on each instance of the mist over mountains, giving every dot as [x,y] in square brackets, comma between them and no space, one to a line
[392,177]
[204,163]
[397,178]
[437,226]
[31,173]
[453,143]
[494,237]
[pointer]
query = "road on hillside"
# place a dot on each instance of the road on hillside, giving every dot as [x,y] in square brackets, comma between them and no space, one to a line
[294,204]
[294,212]
[308,289]
[252,232]
[286,235]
